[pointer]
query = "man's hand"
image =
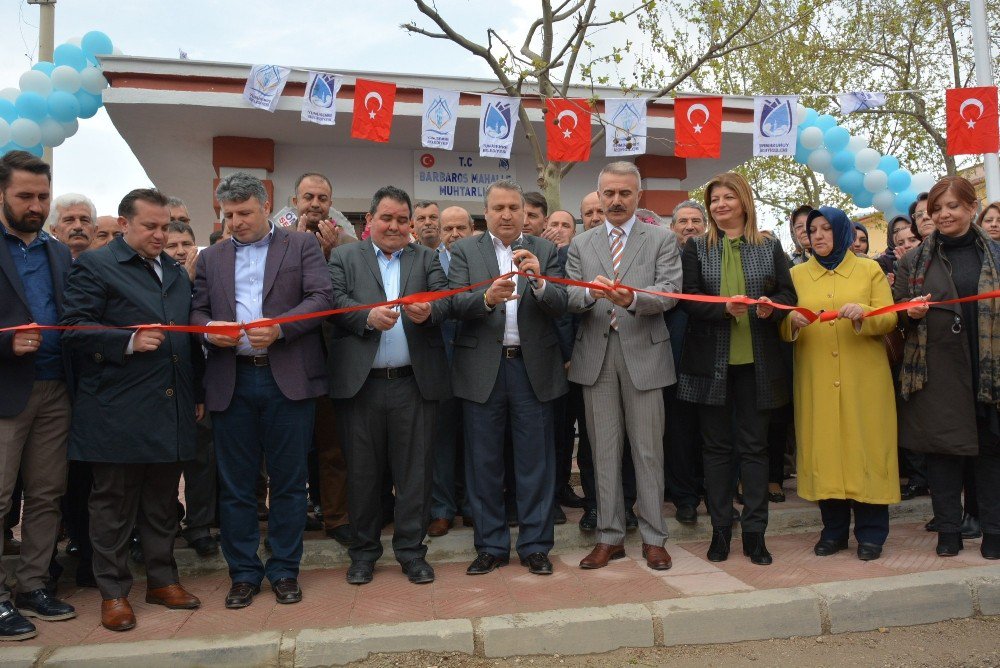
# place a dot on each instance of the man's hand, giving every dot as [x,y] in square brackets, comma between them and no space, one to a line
[798,320]
[27,341]
[419,312]
[919,308]
[189,263]
[501,290]
[328,236]
[383,318]
[552,234]
[199,412]
[620,296]
[221,341]
[736,310]
[147,340]
[765,310]
[263,337]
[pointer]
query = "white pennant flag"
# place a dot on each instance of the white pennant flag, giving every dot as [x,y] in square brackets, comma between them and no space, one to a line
[319,102]
[264,86]
[626,126]
[858,100]
[775,124]
[497,120]
[437,129]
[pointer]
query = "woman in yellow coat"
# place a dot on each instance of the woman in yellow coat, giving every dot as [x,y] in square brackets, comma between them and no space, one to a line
[845,410]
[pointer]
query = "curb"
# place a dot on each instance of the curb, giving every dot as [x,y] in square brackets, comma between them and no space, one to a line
[829,608]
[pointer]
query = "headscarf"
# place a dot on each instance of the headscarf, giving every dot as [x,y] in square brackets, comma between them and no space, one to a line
[843,235]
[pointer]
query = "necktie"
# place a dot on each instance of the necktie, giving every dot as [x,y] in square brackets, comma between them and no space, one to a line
[617,246]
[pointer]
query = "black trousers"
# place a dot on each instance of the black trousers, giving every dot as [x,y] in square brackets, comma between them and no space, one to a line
[777,443]
[871,521]
[945,475]
[681,449]
[737,430]
[74,509]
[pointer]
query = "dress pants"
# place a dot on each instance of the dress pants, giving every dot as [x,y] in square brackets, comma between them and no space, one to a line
[139,495]
[737,430]
[777,443]
[945,473]
[871,521]
[512,402]
[388,425]
[261,422]
[201,485]
[75,513]
[449,467]
[585,456]
[616,410]
[34,443]
[331,465]
[681,450]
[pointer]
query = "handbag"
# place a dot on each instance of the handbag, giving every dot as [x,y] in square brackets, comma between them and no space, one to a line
[894,342]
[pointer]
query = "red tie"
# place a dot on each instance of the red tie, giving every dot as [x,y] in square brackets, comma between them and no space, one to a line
[617,246]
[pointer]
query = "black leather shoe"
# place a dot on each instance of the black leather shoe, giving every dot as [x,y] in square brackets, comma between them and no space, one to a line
[343,534]
[869,551]
[931,524]
[13,626]
[206,546]
[912,491]
[949,544]
[721,538]
[686,515]
[287,590]
[485,563]
[824,548]
[567,497]
[241,595]
[990,549]
[39,604]
[589,520]
[72,548]
[971,528]
[537,563]
[418,571]
[361,572]
[558,516]
[754,547]
[631,520]
[313,524]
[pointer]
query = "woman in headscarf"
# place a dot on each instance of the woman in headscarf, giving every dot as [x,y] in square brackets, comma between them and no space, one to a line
[989,220]
[860,244]
[950,380]
[845,418]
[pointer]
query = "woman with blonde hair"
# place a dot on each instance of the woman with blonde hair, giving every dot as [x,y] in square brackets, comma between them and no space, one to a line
[732,364]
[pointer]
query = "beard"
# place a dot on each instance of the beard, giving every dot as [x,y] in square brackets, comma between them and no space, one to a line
[29,223]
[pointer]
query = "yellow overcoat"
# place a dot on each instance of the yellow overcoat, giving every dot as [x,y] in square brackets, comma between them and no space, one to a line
[845,405]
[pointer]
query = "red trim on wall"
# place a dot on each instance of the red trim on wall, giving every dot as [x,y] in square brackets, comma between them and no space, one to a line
[662,202]
[245,152]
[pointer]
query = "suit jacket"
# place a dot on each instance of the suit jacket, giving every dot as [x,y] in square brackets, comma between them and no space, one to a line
[295,282]
[17,373]
[135,408]
[650,260]
[480,337]
[357,279]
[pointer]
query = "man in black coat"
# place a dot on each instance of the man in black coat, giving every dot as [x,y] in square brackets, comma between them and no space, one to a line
[137,399]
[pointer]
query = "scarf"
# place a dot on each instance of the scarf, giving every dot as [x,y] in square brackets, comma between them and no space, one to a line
[843,235]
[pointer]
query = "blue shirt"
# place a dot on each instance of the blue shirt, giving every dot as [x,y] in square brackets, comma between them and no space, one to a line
[250,261]
[32,264]
[393,350]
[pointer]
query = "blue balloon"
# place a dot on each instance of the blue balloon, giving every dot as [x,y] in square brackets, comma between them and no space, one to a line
[7,148]
[44,66]
[843,161]
[31,106]
[63,106]
[37,150]
[802,154]
[863,199]
[888,164]
[905,199]
[8,111]
[825,122]
[810,118]
[89,104]
[836,138]
[899,180]
[34,150]
[96,43]
[852,182]
[67,54]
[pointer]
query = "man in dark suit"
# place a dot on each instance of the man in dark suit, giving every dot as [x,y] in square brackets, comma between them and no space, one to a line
[261,386]
[137,398]
[508,368]
[35,402]
[389,372]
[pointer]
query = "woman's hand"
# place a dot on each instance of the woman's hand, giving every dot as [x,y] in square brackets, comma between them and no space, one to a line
[764,310]
[852,312]
[919,308]
[736,309]
[798,321]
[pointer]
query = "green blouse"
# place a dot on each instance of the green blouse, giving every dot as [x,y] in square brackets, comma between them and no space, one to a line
[733,283]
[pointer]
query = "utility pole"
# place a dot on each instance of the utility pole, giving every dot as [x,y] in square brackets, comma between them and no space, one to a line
[984,77]
[46,42]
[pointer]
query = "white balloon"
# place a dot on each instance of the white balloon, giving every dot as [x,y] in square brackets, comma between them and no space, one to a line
[921,182]
[10,94]
[884,200]
[819,160]
[800,112]
[867,160]
[811,137]
[36,82]
[53,133]
[69,129]
[65,78]
[876,181]
[857,143]
[92,80]
[25,132]
[832,177]
[4,132]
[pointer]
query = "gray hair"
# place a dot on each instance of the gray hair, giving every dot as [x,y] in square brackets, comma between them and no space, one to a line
[689,204]
[424,203]
[66,201]
[239,187]
[621,168]
[176,201]
[502,184]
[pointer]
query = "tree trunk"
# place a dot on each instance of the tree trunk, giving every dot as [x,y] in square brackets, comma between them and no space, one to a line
[549,183]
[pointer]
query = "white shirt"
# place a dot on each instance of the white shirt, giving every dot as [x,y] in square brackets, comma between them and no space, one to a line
[505,260]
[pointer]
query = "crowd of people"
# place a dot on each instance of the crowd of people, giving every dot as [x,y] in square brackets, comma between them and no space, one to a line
[471,407]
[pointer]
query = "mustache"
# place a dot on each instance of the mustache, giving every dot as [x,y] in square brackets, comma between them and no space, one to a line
[78,233]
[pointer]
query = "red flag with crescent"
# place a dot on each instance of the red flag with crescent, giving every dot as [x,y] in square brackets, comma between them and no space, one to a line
[567,130]
[973,122]
[698,127]
[373,103]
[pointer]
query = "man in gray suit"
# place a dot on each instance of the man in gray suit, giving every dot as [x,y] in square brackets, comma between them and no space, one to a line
[388,371]
[508,369]
[622,358]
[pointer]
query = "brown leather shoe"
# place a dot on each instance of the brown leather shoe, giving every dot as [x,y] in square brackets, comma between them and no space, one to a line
[656,557]
[601,555]
[117,615]
[439,527]
[173,596]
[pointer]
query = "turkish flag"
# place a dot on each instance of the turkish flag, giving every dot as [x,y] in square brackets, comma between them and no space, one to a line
[973,122]
[373,102]
[567,130]
[698,127]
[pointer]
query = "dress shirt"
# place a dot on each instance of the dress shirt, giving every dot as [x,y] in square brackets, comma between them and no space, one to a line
[393,350]
[505,260]
[32,264]
[250,261]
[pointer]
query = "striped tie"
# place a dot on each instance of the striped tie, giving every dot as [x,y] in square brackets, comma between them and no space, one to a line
[617,246]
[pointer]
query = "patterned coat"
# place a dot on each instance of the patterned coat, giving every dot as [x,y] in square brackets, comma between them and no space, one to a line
[705,358]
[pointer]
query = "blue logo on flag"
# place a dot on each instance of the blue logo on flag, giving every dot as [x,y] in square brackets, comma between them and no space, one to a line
[625,122]
[266,80]
[439,115]
[776,118]
[321,91]
[496,122]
